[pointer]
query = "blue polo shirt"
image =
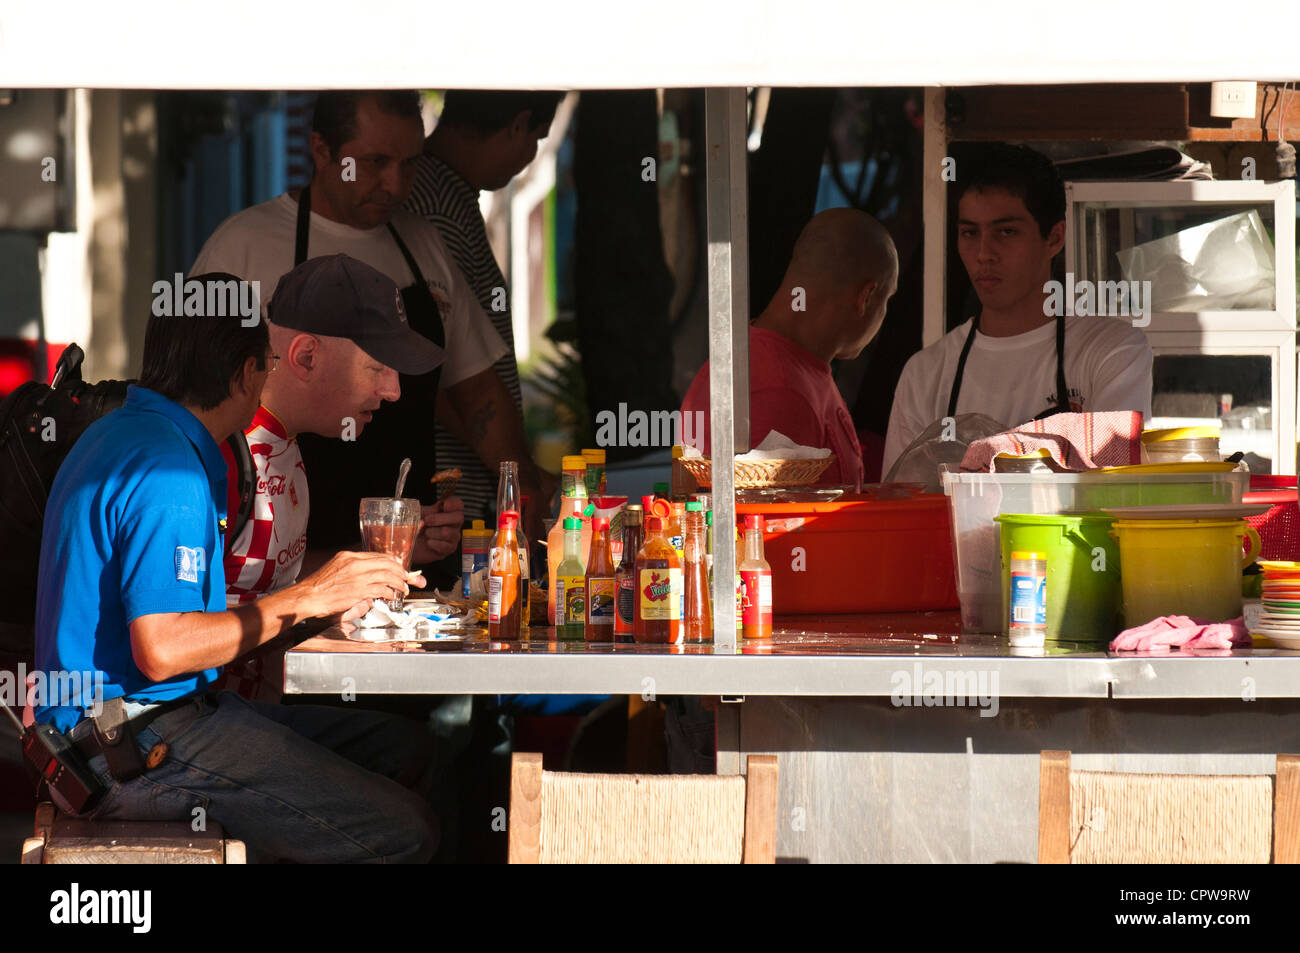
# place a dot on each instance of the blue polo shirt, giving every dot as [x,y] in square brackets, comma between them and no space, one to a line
[131,529]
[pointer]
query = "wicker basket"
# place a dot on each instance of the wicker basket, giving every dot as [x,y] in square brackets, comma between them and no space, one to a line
[751,474]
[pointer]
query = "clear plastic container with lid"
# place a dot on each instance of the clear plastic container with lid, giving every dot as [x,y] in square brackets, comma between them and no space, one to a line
[1181,445]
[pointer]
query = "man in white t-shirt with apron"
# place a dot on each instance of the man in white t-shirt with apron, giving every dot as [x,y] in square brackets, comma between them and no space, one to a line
[1015,360]
[365,146]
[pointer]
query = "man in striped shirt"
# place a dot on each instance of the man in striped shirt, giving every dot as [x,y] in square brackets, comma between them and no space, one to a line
[483,140]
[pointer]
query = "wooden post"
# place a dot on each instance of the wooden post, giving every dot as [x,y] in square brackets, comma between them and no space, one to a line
[1286,810]
[760,809]
[525,837]
[1054,807]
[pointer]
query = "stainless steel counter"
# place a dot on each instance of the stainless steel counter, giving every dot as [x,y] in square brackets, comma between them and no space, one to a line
[918,659]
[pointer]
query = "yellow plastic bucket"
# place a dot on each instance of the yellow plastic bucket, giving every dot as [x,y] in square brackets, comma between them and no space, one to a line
[1182,567]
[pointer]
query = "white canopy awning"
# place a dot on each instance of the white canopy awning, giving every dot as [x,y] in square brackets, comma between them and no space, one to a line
[256,44]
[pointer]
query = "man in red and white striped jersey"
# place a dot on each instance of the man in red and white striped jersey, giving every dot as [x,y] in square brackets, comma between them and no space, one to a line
[339,334]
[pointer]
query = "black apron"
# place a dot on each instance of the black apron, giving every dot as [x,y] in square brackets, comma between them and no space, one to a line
[342,472]
[1062,391]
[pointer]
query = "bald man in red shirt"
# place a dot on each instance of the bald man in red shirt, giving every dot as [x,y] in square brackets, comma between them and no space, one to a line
[830,305]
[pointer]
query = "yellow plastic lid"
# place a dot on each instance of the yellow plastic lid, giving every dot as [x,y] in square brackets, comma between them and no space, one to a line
[1039,454]
[594,456]
[573,463]
[477,528]
[1181,433]
[1019,554]
[1193,466]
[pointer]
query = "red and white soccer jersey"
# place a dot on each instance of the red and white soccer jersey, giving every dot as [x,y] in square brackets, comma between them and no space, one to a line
[268,553]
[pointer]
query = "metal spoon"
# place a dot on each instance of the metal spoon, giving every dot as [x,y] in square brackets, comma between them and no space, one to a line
[402,473]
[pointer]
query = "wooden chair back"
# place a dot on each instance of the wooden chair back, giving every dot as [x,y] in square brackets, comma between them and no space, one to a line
[559,817]
[1104,817]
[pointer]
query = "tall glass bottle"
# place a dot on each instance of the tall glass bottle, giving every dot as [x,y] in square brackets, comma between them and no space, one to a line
[509,500]
[505,592]
[571,584]
[600,584]
[573,498]
[625,578]
[697,616]
[659,585]
[756,583]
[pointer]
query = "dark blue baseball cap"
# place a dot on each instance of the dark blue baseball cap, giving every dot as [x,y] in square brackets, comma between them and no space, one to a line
[339,296]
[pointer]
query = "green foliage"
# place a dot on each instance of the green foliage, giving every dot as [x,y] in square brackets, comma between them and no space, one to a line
[559,379]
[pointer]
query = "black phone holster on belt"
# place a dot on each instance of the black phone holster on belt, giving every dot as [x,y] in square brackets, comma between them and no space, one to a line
[117,742]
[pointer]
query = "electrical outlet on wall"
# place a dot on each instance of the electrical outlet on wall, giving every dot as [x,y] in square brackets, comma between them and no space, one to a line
[1232,100]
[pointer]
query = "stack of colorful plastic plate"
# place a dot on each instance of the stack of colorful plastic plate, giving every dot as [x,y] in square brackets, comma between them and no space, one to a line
[1279,617]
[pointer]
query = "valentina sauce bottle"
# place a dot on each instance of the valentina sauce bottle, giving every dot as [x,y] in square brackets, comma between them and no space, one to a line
[658,605]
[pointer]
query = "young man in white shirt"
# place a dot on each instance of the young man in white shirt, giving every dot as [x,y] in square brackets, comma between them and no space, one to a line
[364,147]
[484,138]
[1016,360]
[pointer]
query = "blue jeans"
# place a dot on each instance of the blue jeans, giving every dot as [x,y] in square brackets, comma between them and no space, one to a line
[301,783]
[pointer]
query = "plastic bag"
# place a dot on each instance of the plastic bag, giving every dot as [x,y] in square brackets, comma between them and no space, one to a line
[940,443]
[1222,265]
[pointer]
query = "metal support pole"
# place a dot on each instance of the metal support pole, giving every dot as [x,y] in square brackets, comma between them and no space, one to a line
[934,203]
[728,235]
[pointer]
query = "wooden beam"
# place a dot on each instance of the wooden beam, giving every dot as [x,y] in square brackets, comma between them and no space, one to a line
[760,809]
[1286,810]
[1154,111]
[1054,807]
[525,835]
[1093,111]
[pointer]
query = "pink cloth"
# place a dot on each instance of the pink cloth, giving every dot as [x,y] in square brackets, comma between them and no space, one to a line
[790,391]
[1076,441]
[1184,633]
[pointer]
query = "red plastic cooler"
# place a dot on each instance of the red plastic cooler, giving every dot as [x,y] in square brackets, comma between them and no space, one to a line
[859,553]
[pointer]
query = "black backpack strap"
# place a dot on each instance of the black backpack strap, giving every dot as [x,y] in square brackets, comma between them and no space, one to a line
[247,476]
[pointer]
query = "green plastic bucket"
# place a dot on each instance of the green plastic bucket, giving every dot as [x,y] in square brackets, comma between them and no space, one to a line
[1083,578]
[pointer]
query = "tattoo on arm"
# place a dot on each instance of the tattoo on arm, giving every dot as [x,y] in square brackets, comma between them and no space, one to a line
[478,419]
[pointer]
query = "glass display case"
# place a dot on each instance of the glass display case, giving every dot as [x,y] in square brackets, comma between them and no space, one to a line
[1209,270]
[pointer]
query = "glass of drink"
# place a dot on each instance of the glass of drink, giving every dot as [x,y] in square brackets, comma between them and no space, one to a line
[390,526]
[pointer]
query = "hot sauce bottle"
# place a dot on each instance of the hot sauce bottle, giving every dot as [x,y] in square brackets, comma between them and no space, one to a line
[659,585]
[571,584]
[600,584]
[698,616]
[755,584]
[505,593]
[573,498]
[625,578]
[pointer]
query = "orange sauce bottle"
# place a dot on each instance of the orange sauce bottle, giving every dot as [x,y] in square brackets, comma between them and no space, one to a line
[505,595]
[601,592]
[697,616]
[658,612]
[755,583]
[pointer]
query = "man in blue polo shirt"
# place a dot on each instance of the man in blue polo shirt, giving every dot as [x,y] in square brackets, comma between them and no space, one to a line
[131,584]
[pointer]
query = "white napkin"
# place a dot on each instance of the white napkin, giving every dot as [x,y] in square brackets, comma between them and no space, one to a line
[382,617]
[777,446]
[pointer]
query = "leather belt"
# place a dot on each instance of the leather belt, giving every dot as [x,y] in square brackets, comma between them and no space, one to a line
[88,744]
